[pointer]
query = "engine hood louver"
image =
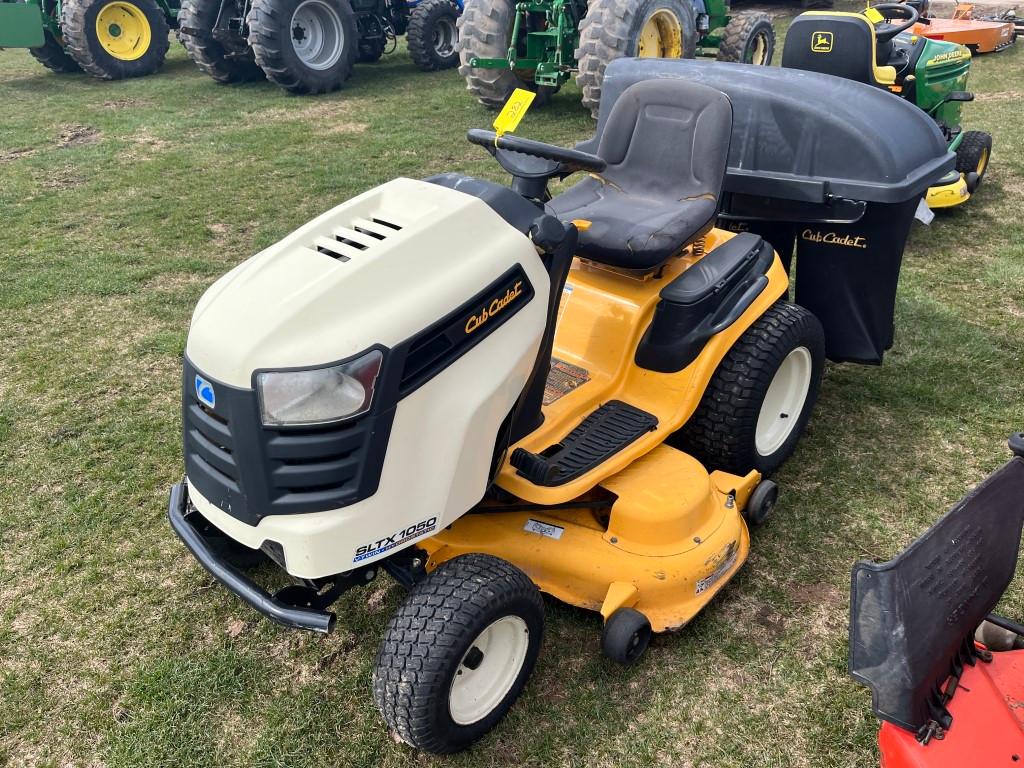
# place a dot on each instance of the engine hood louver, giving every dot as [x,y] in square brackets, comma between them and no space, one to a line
[347,243]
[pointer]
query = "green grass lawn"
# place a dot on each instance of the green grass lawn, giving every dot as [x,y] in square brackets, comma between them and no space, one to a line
[120,202]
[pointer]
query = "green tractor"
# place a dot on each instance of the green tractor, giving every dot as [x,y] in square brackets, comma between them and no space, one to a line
[110,39]
[540,44]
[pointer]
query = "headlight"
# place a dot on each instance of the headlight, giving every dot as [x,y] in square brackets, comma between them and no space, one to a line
[320,395]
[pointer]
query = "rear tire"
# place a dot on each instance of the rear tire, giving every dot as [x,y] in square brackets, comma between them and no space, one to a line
[115,39]
[743,422]
[973,156]
[433,35]
[51,54]
[613,29]
[209,54]
[485,27]
[458,652]
[304,46]
[749,38]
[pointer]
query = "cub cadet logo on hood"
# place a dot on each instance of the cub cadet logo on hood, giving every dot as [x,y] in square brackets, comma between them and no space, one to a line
[497,304]
[831,238]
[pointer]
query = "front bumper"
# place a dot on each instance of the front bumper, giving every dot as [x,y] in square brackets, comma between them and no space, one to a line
[949,194]
[274,607]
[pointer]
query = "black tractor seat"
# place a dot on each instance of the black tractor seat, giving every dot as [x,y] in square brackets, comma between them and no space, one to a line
[841,44]
[666,143]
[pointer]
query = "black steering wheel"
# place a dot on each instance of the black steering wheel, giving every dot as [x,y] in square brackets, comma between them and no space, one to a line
[887,30]
[509,151]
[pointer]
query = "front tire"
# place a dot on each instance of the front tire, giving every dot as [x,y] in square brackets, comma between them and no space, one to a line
[613,29]
[305,46]
[210,55]
[761,395]
[115,39]
[749,38]
[485,27]
[51,54]
[458,652]
[433,35]
[972,157]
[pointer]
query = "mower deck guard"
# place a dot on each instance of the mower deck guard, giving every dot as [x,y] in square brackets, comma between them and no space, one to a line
[912,619]
[829,168]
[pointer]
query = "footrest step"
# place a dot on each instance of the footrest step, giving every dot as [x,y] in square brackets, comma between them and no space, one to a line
[601,435]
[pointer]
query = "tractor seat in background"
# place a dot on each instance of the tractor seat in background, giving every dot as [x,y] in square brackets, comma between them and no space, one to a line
[839,44]
[666,143]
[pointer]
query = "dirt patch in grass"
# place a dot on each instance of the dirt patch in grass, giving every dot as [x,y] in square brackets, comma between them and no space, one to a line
[76,136]
[14,154]
[1000,96]
[64,177]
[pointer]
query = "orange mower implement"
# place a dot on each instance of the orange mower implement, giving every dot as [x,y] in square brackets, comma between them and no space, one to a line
[980,35]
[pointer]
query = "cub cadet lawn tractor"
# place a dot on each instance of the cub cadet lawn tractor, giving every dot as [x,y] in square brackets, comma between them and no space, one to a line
[110,39]
[540,44]
[311,46]
[876,47]
[947,675]
[425,380]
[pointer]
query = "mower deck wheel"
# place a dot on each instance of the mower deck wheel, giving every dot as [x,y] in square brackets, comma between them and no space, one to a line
[115,39]
[433,35]
[627,633]
[749,38]
[210,55]
[51,54]
[973,156]
[761,503]
[761,396]
[458,652]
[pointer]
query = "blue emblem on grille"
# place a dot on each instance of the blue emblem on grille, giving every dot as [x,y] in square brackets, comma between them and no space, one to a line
[204,391]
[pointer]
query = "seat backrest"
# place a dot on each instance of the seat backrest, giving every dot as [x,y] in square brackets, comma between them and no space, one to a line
[840,44]
[668,139]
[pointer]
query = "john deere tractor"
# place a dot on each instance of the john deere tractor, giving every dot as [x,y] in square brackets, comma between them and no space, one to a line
[110,39]
[540,44]
[310,46]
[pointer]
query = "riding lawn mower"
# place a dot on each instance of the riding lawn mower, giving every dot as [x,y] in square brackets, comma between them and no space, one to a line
[311,46]
[491,394]
[877,47]
[946,674]
[109,39]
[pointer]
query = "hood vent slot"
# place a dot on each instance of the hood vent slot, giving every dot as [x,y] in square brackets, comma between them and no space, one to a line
[347,243]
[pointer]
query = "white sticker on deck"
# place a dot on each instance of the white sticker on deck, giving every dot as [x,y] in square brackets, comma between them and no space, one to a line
[544,529]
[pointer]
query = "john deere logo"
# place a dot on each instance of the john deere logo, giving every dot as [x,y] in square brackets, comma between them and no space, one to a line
[498,304]
[821,42]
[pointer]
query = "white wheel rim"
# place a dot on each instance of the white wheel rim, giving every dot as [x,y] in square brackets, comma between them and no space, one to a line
[498,654]
[784,401]
[445,37]
[317,34]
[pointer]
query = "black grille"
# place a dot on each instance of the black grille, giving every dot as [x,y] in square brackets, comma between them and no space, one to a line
[250,471]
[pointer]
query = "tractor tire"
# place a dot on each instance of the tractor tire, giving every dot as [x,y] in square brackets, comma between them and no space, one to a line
[749,38]
[371,50]
[613,29]
[972,157]
[761,395]
[51,54]
[485,27]
[433,35]
[115,39]
[224,66]
[304,46]
[458,652]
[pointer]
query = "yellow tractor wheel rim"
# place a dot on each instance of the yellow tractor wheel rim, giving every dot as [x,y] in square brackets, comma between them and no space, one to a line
[661,36]
[123,30]
[982,162]
[760,49]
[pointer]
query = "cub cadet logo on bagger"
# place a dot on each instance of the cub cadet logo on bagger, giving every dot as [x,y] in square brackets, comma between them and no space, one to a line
[821,42]
[397,539]
[831,238]
[498,304]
